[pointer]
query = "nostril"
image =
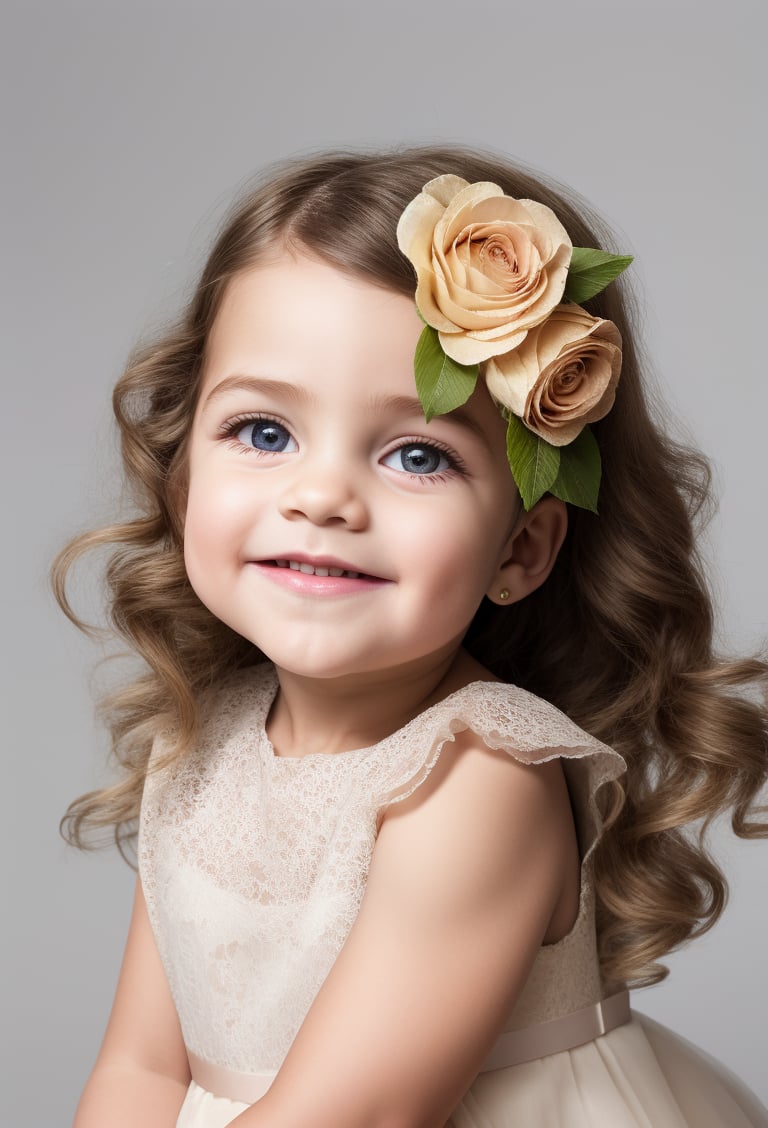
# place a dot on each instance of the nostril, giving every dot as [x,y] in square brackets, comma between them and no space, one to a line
[324,503]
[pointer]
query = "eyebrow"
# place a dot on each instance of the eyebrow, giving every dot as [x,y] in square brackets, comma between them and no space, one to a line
[408,405]
[246,383]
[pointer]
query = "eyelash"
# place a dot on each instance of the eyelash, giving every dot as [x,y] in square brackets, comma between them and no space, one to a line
[456,465]
[228,431]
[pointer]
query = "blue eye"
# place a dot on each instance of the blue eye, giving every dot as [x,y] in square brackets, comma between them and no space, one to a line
[417,458]
[266,434]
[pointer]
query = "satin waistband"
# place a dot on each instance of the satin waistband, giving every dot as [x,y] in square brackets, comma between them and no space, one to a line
[515,1047]
[224,1082]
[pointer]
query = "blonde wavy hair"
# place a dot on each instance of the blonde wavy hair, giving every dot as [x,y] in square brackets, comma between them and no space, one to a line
[620,636]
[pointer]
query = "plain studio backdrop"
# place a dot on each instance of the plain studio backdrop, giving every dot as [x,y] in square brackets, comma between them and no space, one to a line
[127,129]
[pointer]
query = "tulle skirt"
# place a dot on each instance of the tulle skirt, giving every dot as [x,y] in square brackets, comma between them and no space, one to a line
[639,1075]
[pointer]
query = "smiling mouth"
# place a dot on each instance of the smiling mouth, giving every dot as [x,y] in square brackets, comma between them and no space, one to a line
[319,569]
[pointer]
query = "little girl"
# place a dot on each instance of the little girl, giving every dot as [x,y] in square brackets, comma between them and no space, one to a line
[429,693]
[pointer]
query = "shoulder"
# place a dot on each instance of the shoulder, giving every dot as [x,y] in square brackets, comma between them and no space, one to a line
[485,798]
[497,803]
[484,718]
[528,727]
[481,830]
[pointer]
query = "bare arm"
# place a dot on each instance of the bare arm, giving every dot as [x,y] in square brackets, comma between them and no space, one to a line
[466,878]
[141,1073]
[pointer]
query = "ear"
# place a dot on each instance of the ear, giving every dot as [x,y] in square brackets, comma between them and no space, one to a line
[530,553]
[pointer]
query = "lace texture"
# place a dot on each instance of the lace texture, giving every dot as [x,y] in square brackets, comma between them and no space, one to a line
[254,865]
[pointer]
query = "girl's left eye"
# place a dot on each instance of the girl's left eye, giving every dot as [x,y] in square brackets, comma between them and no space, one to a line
[267,435]
[418,458]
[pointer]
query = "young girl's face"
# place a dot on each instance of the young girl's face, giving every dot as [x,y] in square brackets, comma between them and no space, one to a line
[326,521]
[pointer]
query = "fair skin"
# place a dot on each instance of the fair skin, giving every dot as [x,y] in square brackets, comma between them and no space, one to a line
[308,456]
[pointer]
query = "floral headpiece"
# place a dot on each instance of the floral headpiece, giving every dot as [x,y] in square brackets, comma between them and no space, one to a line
[498,282]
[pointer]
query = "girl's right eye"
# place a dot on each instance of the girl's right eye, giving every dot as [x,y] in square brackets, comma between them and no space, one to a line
[266,435]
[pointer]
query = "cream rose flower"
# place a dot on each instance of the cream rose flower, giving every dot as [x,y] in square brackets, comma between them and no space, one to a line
[489,268]
[562,376]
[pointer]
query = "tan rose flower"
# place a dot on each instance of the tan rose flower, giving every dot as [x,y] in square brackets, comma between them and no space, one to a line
[488,267]
[562,376]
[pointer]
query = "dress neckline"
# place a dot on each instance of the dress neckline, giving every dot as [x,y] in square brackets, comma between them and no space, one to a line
[271,686]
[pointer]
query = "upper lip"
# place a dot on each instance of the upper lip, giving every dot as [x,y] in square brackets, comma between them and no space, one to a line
[319,562]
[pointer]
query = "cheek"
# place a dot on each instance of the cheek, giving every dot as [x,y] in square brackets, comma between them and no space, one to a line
[456,552]
[197,560]
[213,525]
[219,505]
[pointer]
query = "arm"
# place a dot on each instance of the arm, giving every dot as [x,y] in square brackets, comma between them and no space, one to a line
[141,1073]
[466,878]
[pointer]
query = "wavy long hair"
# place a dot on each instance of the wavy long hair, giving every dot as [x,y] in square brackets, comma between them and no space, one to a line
[619,637]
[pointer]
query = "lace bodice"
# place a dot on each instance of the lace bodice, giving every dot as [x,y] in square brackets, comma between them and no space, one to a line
[254,865]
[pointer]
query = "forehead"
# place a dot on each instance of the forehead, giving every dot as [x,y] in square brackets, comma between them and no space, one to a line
[297,315]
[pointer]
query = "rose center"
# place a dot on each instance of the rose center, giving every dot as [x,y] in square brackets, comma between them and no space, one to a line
[502,259]
[497,253]
[568,380]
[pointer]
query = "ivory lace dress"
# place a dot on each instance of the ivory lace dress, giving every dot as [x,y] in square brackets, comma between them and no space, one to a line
[253,868]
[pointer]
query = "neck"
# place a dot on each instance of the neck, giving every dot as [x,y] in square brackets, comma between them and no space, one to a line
[339,714]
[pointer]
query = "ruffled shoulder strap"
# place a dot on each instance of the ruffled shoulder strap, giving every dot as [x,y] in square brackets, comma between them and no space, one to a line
[504,717]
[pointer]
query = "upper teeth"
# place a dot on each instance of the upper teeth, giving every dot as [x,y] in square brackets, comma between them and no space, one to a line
[315,570]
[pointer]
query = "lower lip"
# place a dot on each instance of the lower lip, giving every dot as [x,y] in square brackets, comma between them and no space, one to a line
[305,583]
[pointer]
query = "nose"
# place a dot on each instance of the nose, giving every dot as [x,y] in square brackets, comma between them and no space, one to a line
[325,494]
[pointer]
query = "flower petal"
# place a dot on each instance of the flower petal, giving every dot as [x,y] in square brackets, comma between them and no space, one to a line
[415,226]
[562,376]
[445,188]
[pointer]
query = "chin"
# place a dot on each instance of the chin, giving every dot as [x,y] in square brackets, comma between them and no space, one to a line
[322,667]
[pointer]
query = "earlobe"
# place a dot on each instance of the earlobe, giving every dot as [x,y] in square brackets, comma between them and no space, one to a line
[530,552]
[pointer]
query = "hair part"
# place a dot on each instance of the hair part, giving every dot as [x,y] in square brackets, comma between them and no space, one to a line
[620,637]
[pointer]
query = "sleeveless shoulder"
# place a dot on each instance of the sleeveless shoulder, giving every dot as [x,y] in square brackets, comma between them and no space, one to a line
[503,717]
[565,976]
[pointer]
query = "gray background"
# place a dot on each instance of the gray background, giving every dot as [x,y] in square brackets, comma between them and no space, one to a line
[126,130]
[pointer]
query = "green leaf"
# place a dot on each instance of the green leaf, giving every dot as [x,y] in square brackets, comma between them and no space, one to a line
[534,463]
[442,384]
[578,478]
[591,271]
